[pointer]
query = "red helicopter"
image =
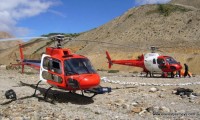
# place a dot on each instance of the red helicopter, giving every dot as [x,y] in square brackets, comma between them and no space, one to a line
[151,63]
[63,69]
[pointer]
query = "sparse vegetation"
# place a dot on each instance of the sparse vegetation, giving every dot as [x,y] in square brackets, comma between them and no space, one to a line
[48,43]
[129,15]
[30,43]
[113,71]
[167,9]
[65,34]
[135,72]
[12,67]
[189,59]
[28,73]
[101,69]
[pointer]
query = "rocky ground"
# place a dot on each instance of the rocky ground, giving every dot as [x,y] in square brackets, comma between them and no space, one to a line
[133,97]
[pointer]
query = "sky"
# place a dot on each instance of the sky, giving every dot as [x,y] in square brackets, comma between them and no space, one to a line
[28,18]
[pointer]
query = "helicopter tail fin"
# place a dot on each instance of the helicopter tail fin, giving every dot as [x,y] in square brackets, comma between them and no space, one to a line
[109,59]
[21,57]
[21,52]
[22,62]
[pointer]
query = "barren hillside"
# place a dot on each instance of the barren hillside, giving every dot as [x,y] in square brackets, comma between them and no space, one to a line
[177,34]
[7,44]
[175,29]
[194,3]
[5,35]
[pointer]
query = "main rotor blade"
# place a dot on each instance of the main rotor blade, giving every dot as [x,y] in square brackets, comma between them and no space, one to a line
[21,38]
[120,45]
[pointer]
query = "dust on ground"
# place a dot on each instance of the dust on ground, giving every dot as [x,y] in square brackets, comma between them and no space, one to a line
[133,97]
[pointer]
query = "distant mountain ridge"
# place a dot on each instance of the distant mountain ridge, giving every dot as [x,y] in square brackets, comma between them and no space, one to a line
[7,44]
[5,35]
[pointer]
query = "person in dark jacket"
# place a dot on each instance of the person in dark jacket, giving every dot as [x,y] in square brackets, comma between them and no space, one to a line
[186,70]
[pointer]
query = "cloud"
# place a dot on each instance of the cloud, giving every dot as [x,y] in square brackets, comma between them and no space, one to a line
[143,2]
[57,13]
[11,11]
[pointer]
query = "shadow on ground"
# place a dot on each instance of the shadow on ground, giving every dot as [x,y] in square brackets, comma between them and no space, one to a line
[55,96]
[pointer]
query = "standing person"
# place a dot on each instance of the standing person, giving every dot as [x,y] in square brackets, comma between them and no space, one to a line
[179,73]
[186,70]
[149,73]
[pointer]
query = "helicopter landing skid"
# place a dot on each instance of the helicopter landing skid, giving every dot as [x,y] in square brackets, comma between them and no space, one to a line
[88,95]
[36,87]
[90,92]
[46,98]
[45,94]
[96,91]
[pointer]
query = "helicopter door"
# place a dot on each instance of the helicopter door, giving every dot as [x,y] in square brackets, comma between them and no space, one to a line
[150,62]
[51,70]
[43,68]
[161,63]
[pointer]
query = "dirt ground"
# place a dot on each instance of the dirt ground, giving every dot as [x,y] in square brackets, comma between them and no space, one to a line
[133,96]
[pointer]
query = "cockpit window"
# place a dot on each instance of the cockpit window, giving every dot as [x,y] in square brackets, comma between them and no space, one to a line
[78,66]
[160,61]
[154,61]
[171,60]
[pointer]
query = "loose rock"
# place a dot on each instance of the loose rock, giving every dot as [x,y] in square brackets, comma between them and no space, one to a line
[136,109]
[153,89]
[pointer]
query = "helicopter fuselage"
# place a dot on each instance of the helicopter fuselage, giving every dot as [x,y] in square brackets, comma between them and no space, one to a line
[62,69]
[150,62]
[153,62]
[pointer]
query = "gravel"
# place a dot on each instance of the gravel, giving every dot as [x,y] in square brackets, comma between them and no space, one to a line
[126,101]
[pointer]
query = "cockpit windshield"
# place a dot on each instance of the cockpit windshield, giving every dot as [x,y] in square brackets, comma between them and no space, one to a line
[171,60]
[78,66]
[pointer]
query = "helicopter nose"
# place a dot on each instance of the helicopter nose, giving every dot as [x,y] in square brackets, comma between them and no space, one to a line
[89,81]
[178,67]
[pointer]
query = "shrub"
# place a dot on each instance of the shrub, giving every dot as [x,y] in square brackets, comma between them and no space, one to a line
[65,34]
[29,73]
[135,72]
[167,9]
[101,69]
[129,15]
[113,71]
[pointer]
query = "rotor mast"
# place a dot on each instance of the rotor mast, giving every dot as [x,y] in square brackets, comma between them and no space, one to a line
[59,39]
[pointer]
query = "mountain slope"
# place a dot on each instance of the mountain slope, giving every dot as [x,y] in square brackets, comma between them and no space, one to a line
[145,26]
[175,29]
[7,44]
[194,3]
